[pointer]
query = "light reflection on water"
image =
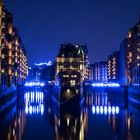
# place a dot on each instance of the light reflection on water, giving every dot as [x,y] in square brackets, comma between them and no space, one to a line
[34,102]
[105,110]
[101,117]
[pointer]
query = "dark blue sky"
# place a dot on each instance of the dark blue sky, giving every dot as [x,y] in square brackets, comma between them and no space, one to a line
[45,24]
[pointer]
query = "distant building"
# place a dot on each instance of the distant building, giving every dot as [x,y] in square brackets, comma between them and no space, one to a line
[98,72]
[13,60]
[103,71]
[73,57]
[48,74]
[86,62]
[42,72]
[113,67]
[91,69]
[34,74]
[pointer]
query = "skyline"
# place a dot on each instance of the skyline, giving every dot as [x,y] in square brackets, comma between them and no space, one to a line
[56,23]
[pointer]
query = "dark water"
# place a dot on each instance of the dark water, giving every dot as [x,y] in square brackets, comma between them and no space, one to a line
[105,115]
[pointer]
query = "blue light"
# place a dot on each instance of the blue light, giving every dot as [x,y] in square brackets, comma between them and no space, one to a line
[26,109]
[41,64]
[105,110]
[109,110]
[42,109]
[30,110]
[106,85]
[34,102]
[113,110]
[93,109]
[117,110]
[31,84]
[101,109]
[97,110]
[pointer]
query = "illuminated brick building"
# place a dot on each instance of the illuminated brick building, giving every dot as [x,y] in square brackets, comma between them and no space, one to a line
[113,67]
[13,61]
[98,72]
[130,57]
[73,57]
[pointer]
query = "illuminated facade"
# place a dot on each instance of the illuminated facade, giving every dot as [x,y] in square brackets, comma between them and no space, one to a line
[113,67]
[135,54]
[133,62]
[100,72]
[123,63]
[13,61]
[72,57]
[91,69]
[86,62]
[130,57]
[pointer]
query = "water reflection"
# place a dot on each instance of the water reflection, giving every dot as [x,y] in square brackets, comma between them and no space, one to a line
[105,110]
[12,121]
[34,102]
[71,124]
[103,116]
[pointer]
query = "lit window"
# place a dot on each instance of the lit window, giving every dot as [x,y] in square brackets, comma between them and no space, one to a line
[130,54]
[10,61]
[10,53]
[129,35]
[10,46]
[130,60]
[2,70]
[9,71]
[81,67]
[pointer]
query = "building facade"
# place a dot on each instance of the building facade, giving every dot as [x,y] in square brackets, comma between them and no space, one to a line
[91,69]
[98,72]
[86,62]
[130,57]
[123,63]
[113,67]
[13,60]
[72,57]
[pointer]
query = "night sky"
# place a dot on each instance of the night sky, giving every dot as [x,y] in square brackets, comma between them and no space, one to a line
[45,24]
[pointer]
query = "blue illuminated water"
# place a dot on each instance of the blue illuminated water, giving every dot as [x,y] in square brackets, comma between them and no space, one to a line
[104,115]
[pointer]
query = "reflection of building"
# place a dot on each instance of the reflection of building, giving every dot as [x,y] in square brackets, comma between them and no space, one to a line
[113,68]
[12,123]
[72,57]
[71,125]
[133,122]
[13,61]
[98,72]
[34,102]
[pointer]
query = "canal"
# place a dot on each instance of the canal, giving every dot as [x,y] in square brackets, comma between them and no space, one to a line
[104,115]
